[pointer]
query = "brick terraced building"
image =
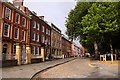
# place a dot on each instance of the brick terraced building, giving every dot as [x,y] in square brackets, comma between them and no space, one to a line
[56,42]
[66,47]
[39,38]
[15,34]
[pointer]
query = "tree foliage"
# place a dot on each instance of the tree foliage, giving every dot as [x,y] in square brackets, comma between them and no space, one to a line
[73,22]
[95,22]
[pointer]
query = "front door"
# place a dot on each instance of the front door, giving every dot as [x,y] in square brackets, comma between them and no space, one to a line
[23,54]
[4,52]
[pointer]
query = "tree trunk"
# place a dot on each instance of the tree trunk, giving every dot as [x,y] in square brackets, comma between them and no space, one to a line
[111,47]
[96,49]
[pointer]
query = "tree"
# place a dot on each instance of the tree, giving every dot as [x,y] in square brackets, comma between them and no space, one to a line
[73,22]
[95,23]
[101,19]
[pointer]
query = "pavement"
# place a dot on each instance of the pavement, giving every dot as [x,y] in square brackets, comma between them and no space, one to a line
[29,70]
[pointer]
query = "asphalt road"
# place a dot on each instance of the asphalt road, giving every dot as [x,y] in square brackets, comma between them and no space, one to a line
[82,68]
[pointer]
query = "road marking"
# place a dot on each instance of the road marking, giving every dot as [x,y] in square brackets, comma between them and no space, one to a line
[89,63]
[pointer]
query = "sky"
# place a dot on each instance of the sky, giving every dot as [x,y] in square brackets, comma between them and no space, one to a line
[54,11]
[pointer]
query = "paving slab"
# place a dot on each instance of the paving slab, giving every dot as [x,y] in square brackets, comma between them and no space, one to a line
[27,71]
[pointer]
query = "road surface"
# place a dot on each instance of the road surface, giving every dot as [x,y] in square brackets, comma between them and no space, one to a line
[82,68]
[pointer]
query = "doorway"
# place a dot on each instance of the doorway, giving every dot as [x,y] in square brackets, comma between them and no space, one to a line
[4,51]
[23,54]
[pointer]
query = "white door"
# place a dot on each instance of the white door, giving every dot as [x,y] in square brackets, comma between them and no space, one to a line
[23,54]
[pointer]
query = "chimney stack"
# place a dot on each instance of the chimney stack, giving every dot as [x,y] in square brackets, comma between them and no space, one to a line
[18,2]
[41,17]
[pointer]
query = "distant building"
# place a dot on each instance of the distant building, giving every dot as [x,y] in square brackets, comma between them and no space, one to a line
[77,50]
[66,47]
[56,42]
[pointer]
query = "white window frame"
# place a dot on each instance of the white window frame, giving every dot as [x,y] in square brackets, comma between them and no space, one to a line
[7,14]
[7,31]
[43,39]
[38,27]
[18,18]
[46,40]
[38,51]
[46,31]
[33,48]
[34,26]
[34,36]
[17,33]
[49,41]
[25,21]
[43,29]
[24,35]
[38,37]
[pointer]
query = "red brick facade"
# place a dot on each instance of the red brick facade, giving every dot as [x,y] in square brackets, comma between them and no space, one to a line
[12,28]
[66,47]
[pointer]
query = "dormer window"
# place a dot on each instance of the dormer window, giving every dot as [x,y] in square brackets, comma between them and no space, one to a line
[8,13]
